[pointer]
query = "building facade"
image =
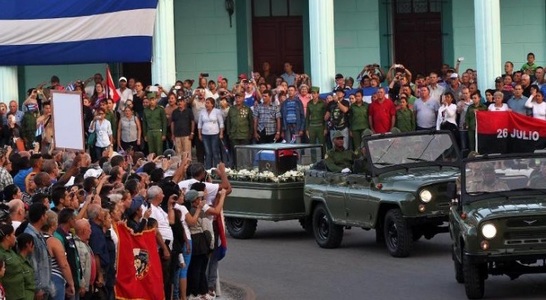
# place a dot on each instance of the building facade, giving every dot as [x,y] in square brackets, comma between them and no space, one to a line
[320,38]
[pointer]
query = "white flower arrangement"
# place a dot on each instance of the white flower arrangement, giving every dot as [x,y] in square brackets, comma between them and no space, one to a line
[265,176]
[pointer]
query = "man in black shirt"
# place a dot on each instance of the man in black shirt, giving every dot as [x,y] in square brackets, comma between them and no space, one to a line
[182,128]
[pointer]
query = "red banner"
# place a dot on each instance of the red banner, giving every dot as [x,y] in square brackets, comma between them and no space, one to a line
[139,273]
[509,132]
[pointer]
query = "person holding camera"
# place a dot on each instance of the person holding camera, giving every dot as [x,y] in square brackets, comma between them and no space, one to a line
[340,83]
[103,131]
[368,72]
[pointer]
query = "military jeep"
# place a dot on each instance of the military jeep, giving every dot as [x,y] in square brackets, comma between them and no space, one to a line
[397,187]
[268,185]
[498,219]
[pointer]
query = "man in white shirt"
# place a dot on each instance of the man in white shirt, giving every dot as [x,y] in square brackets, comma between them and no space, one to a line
[164,234]
[16,212]
[436,90]
[125,94]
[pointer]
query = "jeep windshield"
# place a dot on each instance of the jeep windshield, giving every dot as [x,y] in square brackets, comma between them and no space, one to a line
[505,175]
[408,150]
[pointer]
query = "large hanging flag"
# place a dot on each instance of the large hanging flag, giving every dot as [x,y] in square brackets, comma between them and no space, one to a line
[49,32]
[509,132]
[111,91]
[139,274]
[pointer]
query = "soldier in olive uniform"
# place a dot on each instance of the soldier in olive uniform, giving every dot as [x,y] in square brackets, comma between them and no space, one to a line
[155,126]
[470,119]
[490,182]
[339,158]
[240,122]
[314,118]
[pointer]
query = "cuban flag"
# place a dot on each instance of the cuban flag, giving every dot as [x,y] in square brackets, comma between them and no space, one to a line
[49,32]
[366,93]
[111,91]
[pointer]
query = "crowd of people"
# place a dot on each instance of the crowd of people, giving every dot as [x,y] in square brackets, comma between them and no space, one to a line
[60,215]
[61,209]
[213,117]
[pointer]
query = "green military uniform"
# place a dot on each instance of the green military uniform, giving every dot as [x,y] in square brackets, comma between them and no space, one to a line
[405,120]
[112,118]
[239,125]
[18,273]
[358,123]
[28,128]
[29,280]
[314,121]
[411,100]
[470,121]
[155,127]
[336,159]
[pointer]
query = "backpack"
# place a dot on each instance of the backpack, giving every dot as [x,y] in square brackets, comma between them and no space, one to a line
[291,115]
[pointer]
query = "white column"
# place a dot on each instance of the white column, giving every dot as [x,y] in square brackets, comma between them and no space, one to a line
[323,56]
[9,86]
[163,56]
[488,42]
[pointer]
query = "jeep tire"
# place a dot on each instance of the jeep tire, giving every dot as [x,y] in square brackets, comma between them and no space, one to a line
[398,234]
[241,228]
[473,279]
[459,276]
[327,234]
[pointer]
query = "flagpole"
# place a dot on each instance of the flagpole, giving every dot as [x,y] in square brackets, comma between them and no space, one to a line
[476,131]
[107,87]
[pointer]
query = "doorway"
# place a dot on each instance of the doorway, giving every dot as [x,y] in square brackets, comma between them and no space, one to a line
[277,34]
[418,35]
[139,71]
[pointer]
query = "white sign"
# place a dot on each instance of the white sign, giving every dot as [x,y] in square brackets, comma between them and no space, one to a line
[68,131]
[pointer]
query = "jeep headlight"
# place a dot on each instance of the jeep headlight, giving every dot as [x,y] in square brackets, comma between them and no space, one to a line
[489,231]
[425,195]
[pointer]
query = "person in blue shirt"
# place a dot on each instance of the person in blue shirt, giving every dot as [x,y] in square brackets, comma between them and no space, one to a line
[517,102]
[293,117]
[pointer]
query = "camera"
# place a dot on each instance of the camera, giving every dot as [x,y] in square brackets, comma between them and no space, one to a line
[204,74]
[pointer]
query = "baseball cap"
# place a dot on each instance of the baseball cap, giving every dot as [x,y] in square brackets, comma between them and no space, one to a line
[338,134]
[122,79]
[92,173]
[191,195]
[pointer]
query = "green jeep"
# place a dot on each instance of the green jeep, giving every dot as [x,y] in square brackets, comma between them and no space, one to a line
[398,187]
[498,219]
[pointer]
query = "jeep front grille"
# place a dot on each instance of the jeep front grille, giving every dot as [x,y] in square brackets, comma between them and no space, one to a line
[526,222]
[525,238]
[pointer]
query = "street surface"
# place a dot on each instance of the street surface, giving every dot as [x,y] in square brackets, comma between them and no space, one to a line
[283,262]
